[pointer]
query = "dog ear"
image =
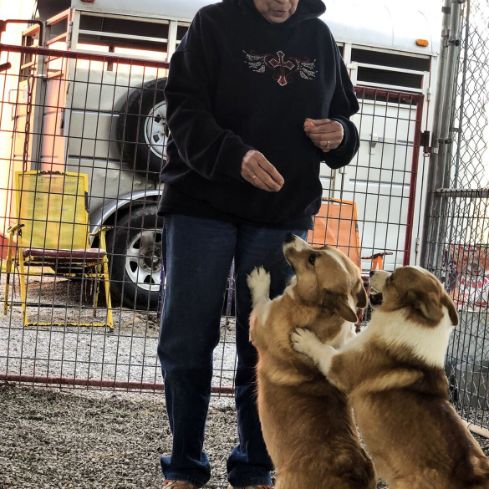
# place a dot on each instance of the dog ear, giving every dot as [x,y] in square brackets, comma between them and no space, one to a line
[446,300]
[426,304]
[362,297]
[339,304]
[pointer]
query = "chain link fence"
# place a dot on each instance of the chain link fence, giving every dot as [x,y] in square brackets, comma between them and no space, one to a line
[456,247]
[470,155]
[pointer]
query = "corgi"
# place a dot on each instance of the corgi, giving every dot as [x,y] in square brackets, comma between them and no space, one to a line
[306,422]
[393,374]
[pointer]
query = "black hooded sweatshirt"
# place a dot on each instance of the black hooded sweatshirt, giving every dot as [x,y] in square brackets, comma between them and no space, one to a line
[238,82]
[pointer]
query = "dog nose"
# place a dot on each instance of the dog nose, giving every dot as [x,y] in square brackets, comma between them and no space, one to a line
[372,273]
[289,238]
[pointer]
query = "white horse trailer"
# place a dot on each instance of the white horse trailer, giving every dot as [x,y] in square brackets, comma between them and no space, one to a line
[390,48]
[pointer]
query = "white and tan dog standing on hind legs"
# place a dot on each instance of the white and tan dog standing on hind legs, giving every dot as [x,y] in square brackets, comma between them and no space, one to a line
[393,374]
[306,423]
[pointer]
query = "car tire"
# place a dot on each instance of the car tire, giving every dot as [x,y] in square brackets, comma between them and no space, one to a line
[135,255]
[142,131]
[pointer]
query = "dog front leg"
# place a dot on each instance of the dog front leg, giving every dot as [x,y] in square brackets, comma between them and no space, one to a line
[259,284]
[306,342]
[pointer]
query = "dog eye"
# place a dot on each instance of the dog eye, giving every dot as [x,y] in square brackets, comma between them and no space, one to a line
[312,258]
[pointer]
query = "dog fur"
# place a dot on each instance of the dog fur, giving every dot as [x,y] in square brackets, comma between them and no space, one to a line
[394,377]
[306,424]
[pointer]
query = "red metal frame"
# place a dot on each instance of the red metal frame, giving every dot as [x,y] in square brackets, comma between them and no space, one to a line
[51,54]
[103,384]
[418,99]
[89,56]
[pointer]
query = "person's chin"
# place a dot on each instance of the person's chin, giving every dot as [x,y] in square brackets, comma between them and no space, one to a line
[277,18]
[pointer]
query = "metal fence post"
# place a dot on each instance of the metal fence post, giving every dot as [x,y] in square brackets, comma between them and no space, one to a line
[438,174]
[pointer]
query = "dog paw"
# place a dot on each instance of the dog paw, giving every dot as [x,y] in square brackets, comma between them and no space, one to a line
[305,341]
[259,283]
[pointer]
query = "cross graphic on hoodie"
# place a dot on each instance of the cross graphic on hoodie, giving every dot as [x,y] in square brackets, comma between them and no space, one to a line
[282,65]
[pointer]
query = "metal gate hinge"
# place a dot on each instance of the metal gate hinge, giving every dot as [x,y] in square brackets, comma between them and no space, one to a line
[424,142]
[69,34]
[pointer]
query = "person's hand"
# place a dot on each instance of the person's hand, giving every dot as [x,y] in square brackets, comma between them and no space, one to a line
[258,171]
[324,133]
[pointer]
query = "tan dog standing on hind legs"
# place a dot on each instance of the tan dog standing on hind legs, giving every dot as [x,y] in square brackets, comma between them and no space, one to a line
[306,423]
[400,392]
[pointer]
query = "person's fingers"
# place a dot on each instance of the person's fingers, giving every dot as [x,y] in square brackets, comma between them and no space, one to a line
[324,128]
[330,138]
[270,174]
[324,133]
[318,124]
[258,171]
[326,146]
[263,181]
[327,141]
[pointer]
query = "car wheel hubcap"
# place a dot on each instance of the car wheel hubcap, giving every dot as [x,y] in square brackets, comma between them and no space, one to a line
[143,260]
[155,129]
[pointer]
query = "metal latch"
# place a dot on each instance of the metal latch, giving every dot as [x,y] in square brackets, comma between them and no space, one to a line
[424,142]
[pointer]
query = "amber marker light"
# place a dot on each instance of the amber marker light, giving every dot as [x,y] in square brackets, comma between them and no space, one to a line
[422,43]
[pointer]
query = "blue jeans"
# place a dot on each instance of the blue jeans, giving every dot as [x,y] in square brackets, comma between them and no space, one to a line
[199,253]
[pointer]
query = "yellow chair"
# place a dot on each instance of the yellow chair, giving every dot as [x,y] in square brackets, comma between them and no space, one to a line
[52,230]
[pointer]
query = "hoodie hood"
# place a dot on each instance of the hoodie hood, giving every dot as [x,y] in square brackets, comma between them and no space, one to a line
[306,10]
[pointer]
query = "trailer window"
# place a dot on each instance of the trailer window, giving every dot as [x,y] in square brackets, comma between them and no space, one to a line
[390,59]
[389,78]
[123,32]
[181,31]
[382,69]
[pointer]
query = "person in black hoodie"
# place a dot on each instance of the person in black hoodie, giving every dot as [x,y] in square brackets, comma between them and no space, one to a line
[257,97]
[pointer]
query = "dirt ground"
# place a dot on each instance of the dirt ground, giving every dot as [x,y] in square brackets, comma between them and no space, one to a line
[91,439]
[79,439]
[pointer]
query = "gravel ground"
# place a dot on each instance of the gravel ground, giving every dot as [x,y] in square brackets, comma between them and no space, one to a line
[128,354]
[74,438]
[89,439]
[81,439]
[77,439]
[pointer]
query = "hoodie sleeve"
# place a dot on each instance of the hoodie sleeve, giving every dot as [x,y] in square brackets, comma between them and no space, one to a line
[343,105]
[203,145]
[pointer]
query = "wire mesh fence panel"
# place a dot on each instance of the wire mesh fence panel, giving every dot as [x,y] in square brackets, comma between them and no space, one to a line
[83,138]
[458,237]
[383,179]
